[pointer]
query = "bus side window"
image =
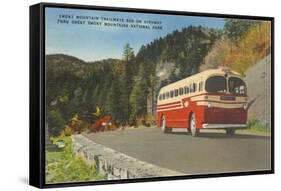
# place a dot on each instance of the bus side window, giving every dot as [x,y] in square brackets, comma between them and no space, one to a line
[186,90]
[167,95]
[194,87]
[176,92]
[200,86]
[160,97]
[181,91]
[172,94]
[163,95]
[190,88]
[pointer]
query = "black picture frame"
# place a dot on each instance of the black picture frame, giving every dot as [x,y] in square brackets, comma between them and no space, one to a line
[37,94]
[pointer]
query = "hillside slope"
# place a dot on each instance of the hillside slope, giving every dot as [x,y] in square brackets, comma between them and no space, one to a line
[258,79]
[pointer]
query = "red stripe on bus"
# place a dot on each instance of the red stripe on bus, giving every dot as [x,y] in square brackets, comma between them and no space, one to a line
[220,102]
[207,94]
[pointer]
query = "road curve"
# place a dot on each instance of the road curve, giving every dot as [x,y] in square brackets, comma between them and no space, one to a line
[209,153]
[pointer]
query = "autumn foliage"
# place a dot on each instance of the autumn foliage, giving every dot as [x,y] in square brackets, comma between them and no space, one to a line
[253,45]
[102,124]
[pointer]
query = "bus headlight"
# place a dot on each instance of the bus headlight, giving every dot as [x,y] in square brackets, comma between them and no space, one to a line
[209,105]
[245,106]
[186,103]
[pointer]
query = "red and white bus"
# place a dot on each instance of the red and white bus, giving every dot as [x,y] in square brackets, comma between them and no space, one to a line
[212,99]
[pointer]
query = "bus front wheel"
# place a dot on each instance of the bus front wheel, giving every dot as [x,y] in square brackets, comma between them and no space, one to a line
[192,125]
[163,125]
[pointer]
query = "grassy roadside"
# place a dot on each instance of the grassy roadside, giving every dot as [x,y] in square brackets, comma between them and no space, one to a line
[256,127]
[63,166]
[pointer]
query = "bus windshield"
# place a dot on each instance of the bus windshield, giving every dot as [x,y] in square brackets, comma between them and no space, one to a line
[236,86]
[216,84]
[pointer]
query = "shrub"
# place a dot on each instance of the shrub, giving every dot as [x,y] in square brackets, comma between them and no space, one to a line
[84,126]
[255,125]
[140,121]
[55,122]
[151,120]
[67,131]
[63,166]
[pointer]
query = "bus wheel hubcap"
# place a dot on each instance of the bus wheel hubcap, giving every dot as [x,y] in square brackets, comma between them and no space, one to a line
[193,125]
[163,124]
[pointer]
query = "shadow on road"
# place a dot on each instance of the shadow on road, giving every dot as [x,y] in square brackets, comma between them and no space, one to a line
[216,135]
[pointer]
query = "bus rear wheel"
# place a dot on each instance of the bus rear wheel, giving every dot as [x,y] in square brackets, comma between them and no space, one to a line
[230,132]
[163,125]
[192,125]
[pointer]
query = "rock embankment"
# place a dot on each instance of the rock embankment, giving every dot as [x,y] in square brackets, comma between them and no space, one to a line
[258,80]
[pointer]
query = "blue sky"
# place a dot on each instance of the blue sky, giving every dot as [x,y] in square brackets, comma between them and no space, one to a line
[90,42]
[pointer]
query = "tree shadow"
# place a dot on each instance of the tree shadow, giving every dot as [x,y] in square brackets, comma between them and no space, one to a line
[226,136]
[220,135]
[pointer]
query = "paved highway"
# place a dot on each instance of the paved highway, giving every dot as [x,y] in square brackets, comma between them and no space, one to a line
[211,152]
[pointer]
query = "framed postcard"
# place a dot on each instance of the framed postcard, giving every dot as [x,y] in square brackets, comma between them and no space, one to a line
[123,95]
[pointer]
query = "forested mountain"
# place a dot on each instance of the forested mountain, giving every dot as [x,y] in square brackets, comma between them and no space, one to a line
[127,88]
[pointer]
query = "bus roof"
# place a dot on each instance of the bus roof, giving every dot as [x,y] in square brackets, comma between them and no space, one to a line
[201,76]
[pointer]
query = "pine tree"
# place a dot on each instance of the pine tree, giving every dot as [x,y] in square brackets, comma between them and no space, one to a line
[113,106]
[126,77]
[138,96]
[128,53]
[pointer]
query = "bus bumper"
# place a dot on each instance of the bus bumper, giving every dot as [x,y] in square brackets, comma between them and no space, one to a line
[223,126]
